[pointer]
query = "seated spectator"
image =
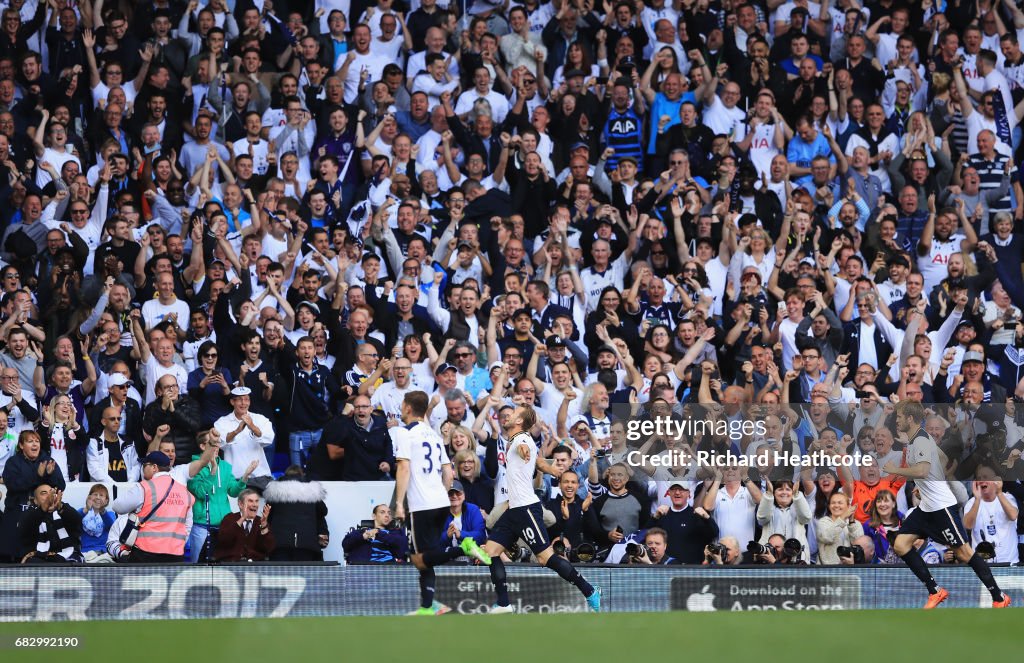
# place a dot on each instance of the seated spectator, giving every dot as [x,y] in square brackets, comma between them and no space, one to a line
[380,544]
[245,536]
[465,521]
[50,531]
[96,523]
[299,519]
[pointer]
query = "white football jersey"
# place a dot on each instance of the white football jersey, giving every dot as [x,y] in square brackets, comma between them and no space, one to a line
[934,488]
[424,449]
[519,475]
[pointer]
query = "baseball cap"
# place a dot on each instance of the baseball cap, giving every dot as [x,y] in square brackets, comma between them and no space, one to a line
[444,367]
[964,323]
[494,365]
[457,487]
[465,245]
[554,342]
[897,260]
[310,305]
[973,356]
[158,458]
[573,73]
[629,159]
[685,485]
[575,421]
[118,380]
[522,311]
[241,391]
[578,144]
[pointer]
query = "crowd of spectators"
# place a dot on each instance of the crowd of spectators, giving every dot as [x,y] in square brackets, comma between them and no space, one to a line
[268,223]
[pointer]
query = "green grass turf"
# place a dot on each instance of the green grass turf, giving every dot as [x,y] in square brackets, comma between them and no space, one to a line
[821,637]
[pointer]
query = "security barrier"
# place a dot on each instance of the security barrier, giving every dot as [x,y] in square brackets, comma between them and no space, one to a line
[77,593]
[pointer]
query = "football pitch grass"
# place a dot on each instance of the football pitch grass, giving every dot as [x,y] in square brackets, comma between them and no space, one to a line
[822,637]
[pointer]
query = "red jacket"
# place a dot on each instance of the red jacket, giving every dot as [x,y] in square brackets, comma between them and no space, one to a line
[234,545]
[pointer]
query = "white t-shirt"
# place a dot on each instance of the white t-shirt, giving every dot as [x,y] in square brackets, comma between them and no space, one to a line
[519,472]
[153,312]
[154,371]
[419,444]
[388,398]
[729,121]
[993,525]
[57,160]
[735,515]
[763,149]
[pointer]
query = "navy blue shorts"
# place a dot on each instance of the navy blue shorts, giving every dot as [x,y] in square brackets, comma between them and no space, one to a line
[426,528]
[942,526]
[526,522]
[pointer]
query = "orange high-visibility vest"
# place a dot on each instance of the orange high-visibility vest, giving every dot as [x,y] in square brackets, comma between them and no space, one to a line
[165,531]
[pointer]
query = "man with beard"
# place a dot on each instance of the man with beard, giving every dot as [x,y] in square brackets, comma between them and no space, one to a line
[957,278]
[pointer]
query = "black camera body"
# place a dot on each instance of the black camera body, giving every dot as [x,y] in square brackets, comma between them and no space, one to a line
[852,551]
[637,550]
[718,549]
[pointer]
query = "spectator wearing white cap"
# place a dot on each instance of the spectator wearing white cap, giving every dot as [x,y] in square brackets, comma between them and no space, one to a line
[688,529]
[244,435]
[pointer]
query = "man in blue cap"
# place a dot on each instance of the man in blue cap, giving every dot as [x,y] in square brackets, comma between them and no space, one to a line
[164,512]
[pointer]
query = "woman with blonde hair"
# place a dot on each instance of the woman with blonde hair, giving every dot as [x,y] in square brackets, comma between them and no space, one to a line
[479,489]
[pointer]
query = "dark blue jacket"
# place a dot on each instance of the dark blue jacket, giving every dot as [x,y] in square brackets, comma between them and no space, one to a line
[472,525]
[364,449]
[310,397]
[390,545]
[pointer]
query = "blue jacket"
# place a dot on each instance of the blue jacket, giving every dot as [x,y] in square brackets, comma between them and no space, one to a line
[472,525]
[389,546]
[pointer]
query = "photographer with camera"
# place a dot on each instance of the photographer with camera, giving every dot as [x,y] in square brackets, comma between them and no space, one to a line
[652,551]
[379,541]
[726,552]
[861,551]
[769,552]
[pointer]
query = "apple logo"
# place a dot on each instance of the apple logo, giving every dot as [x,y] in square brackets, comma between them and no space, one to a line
[703,602]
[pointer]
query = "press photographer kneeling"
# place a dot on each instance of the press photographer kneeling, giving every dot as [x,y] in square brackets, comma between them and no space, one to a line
[778,550]
[651,551]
